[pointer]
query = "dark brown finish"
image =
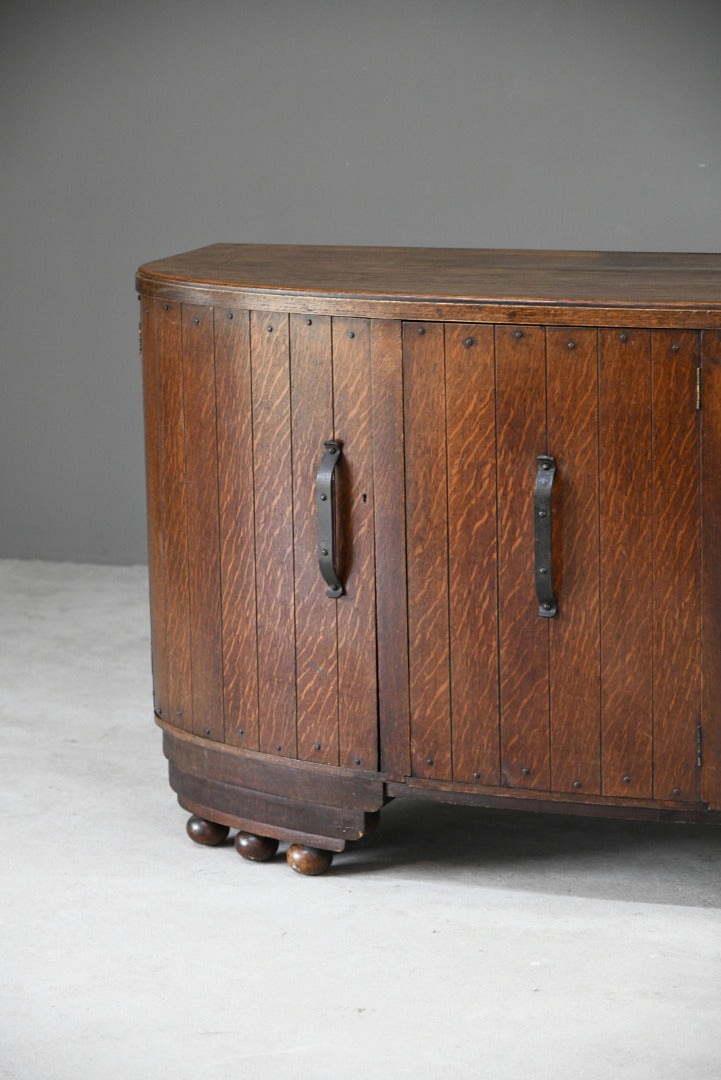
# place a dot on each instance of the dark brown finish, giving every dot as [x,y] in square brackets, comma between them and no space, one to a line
[626,562]
[390,545]
[443,377]
[676,561]
[575,703]
[472,551]
[273,541]
[206,832]
[240,805]
[710,739]
[427,549]
[234,406]
[523,636]
[315,614]
[177,704]
[552,802]
[276,776]
[355,610]
[309,861]
[201,490]
[573,288]
[153,472]
[255,848]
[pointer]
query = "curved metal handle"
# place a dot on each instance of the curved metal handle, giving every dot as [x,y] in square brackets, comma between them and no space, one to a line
[547,605]
[325,492]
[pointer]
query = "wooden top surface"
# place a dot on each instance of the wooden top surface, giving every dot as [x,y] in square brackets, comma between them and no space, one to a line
[380,276]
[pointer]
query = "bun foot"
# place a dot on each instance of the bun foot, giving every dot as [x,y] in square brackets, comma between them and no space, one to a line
[308,860]
[206,832]
[255,848]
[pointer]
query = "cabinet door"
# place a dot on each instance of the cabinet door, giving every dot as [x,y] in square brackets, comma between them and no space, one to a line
[297,381]
[250,649]
[603,699]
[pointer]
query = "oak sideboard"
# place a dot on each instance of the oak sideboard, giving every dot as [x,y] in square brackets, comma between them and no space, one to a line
[431,523]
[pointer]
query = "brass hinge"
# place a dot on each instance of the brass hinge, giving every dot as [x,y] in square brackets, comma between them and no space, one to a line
[699,746]
[699,385]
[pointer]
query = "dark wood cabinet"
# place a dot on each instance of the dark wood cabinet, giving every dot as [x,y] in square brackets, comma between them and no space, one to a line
[524,512]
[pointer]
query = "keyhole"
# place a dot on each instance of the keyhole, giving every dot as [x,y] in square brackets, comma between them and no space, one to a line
[364,497]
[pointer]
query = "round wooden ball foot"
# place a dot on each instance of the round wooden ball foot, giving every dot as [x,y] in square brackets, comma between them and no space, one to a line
[206,832]
[255,848]
[308,860]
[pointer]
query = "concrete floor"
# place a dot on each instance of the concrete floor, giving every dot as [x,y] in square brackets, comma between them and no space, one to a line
[455,943]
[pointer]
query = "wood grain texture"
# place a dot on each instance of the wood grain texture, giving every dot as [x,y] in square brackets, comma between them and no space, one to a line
[201,492]
[178,706]
[234,407]
[156,574]
[355,610]
[315,613]
[276,776]
[711,557]
[676,565]
[243,805]
[427,549]
[418,283]
[435,657]
[273,494]
[389,488]
[572,381]
[626,473]
[523,634]
[472,552]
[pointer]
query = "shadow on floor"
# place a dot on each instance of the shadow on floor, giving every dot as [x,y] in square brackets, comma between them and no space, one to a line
[647,862]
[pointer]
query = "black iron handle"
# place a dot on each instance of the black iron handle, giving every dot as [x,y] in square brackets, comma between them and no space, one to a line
[325,498]
[547,605]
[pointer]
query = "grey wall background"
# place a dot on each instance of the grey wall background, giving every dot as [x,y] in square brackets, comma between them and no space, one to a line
[136,130]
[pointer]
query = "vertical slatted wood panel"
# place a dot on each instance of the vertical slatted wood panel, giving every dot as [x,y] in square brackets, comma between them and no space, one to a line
[151,407]
[177,709]
[201,487]
[357,683]
[472,563]
[711,579]
[523,634]
[390,544]
[427,549]
[273,495]
[626,473]
[315,613]
[676,562]
[571,355]
[237,526]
